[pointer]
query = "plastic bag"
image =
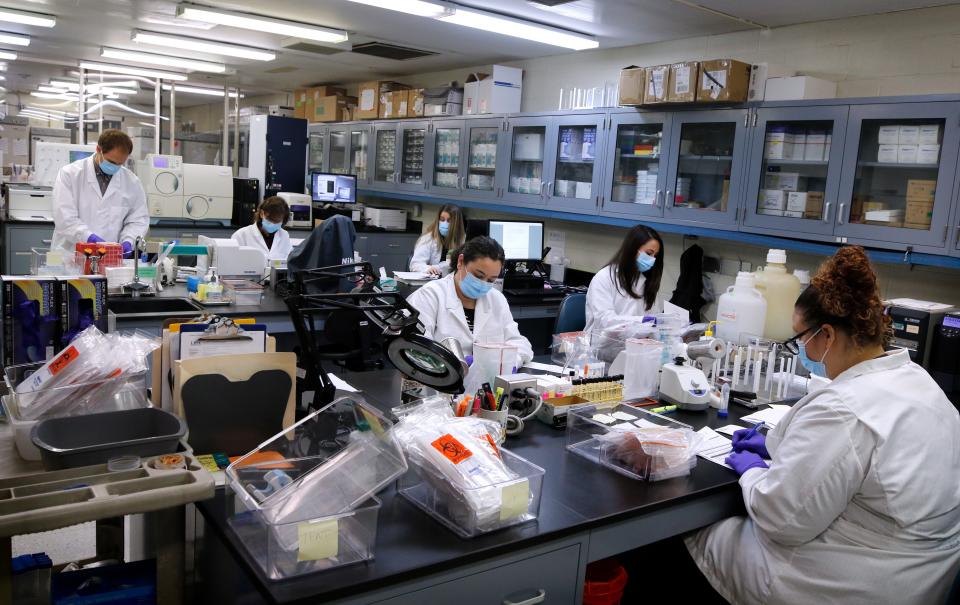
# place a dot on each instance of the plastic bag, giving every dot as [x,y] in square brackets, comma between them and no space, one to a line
[652,452]
[85,376]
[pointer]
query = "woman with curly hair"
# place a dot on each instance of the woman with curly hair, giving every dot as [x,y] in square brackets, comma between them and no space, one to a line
[853,497]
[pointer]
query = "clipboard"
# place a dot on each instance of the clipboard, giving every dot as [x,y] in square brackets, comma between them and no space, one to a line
[224,338]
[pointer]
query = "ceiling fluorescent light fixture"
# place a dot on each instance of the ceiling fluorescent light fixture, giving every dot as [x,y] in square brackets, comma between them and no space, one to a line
[194,90]
[6,55]
[132,71]
[519,29]
[10,15]
[162,60]
[3,78]
[203,46]
[260,23]
[412,7]
[15,39]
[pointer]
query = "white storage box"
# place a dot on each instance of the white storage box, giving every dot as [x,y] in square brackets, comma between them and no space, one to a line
[928,154]
[799,87]
[907,154]
[498,92]
[773,199]
[929,134]
[909,135]
[888,134]
[887,154]
[759,73]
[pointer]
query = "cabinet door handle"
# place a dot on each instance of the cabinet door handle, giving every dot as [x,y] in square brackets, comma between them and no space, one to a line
[657,198]
[542,184]
[746,119]
[669,200]
[549,188]
[393,245]
[22,253]
[46,241]
[840,213]
[754,122]
[826,212]
[540,597]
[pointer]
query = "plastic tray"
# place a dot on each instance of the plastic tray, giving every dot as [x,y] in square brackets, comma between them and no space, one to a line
[317,477]
[587,425]
[518,499]
[95,438]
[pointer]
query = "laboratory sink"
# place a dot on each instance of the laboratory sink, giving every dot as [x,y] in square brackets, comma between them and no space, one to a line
[152,306]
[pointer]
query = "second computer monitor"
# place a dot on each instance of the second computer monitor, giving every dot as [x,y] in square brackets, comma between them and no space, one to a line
[328,188]
[520,240]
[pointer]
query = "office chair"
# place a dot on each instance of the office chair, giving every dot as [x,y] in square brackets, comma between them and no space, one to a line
[572,316]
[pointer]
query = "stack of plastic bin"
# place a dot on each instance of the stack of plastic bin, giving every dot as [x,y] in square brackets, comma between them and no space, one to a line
[304,500]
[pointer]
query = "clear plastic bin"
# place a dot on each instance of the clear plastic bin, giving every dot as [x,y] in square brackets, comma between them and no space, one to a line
[80,398]
[632,441]
[508,503]
[44,261]
[242,292]
[564,344]
[326,467]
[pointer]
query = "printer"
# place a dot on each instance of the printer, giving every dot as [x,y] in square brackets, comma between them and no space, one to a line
[29,203]
[231,259]
[301,208]
[914,323]
[945,356]
[390,219]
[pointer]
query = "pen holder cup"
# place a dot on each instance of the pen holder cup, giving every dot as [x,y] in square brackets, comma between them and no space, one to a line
[499,416]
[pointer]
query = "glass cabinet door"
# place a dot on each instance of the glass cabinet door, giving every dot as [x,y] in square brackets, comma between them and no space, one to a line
[482,156]
[316,139]
[635,181]
[385,156]
[359,150]
[795,169]
[708,151]
[574,181]
[339,141]
[527,168]
[413,145]
[899,169]
[446,157]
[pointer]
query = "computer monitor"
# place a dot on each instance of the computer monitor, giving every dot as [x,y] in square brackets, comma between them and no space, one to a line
[520,240]
[328,188]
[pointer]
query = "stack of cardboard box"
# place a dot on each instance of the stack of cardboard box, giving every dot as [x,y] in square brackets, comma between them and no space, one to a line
[713,81]
[920,194]
[384,99]
[323,104]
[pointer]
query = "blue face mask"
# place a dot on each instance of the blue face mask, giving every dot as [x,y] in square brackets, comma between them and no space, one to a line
[109,168]
[474,288]
[646,262]
[443,228]
[270,227]
[817,368]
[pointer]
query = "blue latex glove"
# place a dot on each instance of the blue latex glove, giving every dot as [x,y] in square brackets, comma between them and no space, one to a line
[127,249]
[744,461]
[750,440]
[94,239]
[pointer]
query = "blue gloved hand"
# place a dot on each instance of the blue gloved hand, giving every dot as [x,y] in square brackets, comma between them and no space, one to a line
[750,440]
[744,461]
[94,239]
[127,249]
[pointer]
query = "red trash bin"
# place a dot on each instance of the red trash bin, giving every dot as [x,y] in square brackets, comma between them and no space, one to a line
[605,583]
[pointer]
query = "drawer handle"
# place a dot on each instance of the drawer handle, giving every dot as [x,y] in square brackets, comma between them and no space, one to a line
[22,253]
[393,245]
[540,597]
[46,241]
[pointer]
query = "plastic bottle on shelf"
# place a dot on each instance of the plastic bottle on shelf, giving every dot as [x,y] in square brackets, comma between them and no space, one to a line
[803,276]
[741,310]
[780,289]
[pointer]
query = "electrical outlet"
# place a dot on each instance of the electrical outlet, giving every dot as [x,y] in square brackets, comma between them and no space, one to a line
[729,267]
[711,264]
[746,265]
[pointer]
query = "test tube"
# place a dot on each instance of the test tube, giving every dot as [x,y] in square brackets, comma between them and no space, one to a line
[756,372]
[716,371]
[724,401]
[770,358]
[736,368]
[781,379]
[726,361]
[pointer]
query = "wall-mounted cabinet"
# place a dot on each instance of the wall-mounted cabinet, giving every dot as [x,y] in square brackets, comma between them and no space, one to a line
[348,151]
[317,148]
[881,173]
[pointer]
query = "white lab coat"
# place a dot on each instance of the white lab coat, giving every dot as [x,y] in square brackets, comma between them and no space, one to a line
[608,304]
[860,505]
[79,209]
[427,254]
[441,313]
[251,236]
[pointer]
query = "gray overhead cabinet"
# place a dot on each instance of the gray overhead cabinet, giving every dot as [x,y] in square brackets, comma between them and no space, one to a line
[575,166]
[635,172]
[316,148]
[793,180]
[522,173]
[348,151]
[399,150]
[462,154]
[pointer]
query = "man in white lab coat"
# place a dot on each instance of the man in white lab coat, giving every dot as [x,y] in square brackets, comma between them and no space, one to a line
[96,199]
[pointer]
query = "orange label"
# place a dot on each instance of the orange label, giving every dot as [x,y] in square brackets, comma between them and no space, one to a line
[63,360]
[455,451]
[493,446]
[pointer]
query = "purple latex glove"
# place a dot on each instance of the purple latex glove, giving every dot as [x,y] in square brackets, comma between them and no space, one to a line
[127,249]
[744,461]
[750,440]
[94,239]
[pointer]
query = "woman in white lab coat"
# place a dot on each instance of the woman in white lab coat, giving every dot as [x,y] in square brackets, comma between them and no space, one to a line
[267,232]
[464,305]
[859,501]
[627,287]
[446,234]
[97,199]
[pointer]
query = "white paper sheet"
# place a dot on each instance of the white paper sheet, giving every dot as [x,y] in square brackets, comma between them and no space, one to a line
[919,305]
[730,429]
[413,275]
[770,416]
[715,447]
[341,384]
[544,367]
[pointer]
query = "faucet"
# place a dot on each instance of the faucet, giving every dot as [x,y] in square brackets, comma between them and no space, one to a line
[137,286]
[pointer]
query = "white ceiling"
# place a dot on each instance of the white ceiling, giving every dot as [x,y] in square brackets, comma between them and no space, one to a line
[85,25]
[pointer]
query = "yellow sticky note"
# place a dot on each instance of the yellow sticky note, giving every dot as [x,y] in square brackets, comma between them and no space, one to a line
[318,540]
[373,421]
[514,500]
[207,462]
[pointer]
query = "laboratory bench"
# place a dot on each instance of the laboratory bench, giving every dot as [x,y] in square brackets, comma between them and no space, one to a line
[587,513]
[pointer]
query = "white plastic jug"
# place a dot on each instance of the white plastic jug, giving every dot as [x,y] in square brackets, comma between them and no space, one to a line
[741,311]
[781,290]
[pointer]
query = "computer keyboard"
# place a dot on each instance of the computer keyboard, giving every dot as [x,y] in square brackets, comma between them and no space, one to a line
[533,292]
